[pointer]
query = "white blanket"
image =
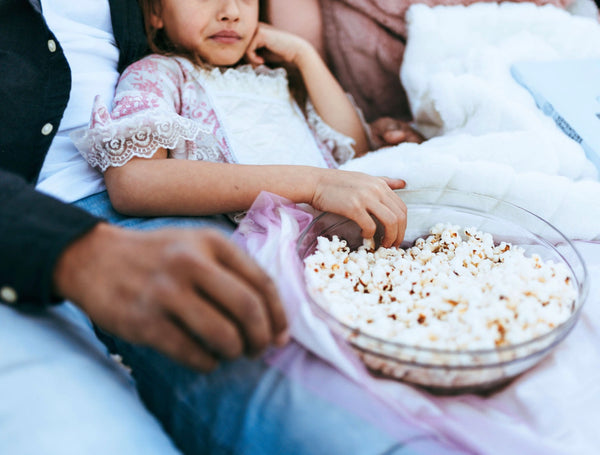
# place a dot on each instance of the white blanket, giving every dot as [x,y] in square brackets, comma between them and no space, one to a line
[487,135]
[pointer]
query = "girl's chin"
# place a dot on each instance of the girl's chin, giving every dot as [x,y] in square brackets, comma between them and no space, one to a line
[224,61]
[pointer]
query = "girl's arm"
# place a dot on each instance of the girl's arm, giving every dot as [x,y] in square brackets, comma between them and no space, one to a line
[326,94]
[300,17]
[160,186]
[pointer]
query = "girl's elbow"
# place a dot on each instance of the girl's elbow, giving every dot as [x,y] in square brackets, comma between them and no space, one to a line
[122,202]
[122,195]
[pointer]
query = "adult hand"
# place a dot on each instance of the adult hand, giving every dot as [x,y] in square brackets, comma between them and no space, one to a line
[387,131]
[361,197]
[191,294]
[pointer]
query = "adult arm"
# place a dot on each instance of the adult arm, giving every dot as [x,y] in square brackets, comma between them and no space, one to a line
[34,230]
[190,294]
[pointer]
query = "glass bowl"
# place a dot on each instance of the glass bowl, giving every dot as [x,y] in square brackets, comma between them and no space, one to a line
[445,371]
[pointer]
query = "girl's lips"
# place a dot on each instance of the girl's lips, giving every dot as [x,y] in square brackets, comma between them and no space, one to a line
[226,37]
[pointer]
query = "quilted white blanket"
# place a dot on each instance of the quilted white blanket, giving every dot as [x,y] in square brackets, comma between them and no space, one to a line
[486,133]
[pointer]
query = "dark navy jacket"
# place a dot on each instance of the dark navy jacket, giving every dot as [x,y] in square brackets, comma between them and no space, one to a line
[35,81]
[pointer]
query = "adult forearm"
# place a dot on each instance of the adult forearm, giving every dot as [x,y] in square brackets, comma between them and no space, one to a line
[179,187]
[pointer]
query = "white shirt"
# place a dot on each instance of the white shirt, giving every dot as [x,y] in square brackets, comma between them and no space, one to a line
[84,31]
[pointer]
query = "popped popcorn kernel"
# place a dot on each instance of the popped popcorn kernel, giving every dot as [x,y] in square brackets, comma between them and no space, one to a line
[454,289]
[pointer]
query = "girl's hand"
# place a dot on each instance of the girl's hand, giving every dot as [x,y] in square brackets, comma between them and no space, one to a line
[280,46]
[361,197]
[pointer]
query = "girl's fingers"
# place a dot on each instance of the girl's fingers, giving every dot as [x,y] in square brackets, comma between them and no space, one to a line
[394,184]
[390,223]
[390,210]
[366,223]
[255,44]
[254,59]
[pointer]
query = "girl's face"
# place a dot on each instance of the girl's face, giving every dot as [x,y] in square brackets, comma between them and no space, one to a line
[217,31]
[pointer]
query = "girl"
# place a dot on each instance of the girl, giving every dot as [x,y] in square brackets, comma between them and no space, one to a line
[237,123]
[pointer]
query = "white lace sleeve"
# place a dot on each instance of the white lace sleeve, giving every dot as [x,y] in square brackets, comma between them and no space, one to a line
[341,146]
[145,118]
[114,142]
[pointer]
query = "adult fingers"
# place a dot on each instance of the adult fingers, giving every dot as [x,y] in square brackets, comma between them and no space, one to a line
[237,260]
[241,303]
[394,137]
[390,210]
[205,320]
[170,339]
[395,202]
[231,281]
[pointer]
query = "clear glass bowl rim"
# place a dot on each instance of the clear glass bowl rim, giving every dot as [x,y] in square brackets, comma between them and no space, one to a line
[582,286]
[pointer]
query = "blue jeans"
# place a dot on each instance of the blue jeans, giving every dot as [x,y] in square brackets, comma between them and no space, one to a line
[245,406]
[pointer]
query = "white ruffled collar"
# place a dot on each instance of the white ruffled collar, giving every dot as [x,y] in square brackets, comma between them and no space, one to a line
[245,78]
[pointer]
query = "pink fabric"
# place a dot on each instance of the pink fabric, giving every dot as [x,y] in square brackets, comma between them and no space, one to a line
[364,42]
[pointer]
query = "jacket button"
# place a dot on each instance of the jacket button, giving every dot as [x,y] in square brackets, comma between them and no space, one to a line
[8,294]
[51,45]
[47,129]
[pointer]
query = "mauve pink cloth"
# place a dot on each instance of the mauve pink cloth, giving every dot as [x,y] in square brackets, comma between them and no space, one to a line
[364,42]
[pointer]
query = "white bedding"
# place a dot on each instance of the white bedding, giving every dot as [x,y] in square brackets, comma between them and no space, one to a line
[487,135]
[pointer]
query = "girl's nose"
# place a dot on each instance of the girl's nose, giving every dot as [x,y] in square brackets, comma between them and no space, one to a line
[230,11]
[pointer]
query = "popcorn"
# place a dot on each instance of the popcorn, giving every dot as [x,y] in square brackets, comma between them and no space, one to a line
[453,290]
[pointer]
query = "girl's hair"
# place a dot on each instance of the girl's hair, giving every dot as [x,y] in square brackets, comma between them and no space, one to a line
[158,41]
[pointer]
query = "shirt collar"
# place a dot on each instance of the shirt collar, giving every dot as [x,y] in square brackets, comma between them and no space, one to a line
[36,5]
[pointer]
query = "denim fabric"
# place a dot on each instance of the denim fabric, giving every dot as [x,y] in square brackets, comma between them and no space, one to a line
[99,205]
[249,407]
[245,406]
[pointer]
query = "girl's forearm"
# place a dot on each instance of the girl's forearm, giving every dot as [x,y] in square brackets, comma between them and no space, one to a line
[178,187]
[300,17]
[329,99]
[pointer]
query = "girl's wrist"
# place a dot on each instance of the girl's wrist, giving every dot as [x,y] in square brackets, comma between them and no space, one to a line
[305,55]
[306,180]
